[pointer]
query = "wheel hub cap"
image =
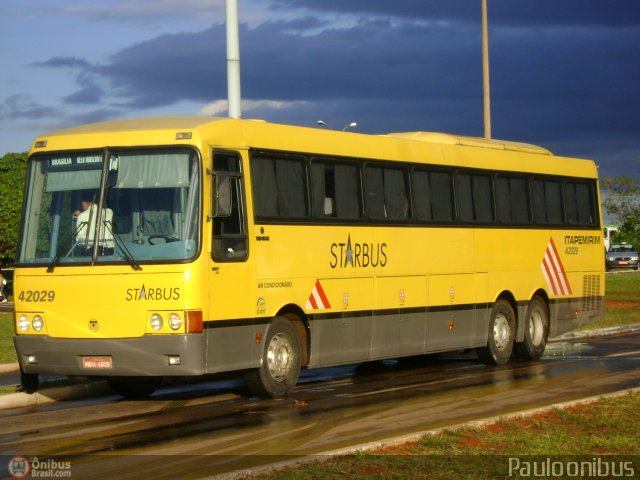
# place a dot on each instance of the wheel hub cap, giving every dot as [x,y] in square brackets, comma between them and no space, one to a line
[279,357]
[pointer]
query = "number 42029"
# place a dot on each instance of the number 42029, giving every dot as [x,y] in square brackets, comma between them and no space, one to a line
[37,295]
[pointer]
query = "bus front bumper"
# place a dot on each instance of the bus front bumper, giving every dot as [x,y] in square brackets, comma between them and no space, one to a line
[150,355]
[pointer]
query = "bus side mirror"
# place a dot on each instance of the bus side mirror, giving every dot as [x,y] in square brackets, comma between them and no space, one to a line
[221,195]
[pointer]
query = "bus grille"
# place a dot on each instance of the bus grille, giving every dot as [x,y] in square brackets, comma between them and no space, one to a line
[592,299]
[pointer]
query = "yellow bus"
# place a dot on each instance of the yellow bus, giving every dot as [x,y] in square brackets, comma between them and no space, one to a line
[186,246]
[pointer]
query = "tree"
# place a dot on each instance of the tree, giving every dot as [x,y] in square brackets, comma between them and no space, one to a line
[623,203]
[12,177]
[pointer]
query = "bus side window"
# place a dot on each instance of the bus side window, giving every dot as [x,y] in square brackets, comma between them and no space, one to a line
[512,199]
[335,189]
[578,203]
[474,197]
[433,196]
[279,186]
[387,191]
[230,242]
[547,202]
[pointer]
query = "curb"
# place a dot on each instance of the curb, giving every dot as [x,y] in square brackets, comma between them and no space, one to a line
[55,394]
[9,367]
[412,437]
[600,332]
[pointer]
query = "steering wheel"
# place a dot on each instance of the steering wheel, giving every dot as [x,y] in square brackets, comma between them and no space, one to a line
[166,238]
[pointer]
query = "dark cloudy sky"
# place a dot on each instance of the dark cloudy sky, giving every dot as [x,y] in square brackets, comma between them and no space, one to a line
[565,74]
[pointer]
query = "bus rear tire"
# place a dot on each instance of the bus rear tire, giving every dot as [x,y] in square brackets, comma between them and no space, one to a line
[280,368]
[501,335]
[134,388]
[536,331]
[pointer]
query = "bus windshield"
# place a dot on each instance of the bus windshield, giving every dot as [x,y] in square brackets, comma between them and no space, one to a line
[111,207]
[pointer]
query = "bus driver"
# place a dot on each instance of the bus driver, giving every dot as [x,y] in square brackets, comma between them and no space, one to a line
[85,228]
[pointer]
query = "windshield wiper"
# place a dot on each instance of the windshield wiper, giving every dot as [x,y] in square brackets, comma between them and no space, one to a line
[54,262]
[125,251]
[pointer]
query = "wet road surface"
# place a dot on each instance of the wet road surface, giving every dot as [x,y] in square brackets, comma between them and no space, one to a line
[196,430]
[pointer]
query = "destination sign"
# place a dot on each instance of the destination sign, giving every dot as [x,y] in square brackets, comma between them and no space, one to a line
[72,162]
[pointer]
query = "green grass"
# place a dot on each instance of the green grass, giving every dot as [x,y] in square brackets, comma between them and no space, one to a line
[600,430]
[622,305]
[615,317]
[7,350]
[623,287]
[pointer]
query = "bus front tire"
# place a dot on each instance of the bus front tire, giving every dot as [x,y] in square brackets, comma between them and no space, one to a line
[29,382]
[501,335]
[134,388]
[536,331]
[280,368]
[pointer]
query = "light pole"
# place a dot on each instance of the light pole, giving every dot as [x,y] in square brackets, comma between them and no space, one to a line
[485,72]
[233,60]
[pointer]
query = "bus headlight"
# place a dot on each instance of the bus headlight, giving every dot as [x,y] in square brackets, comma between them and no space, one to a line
[156,322]
[175,322]
[37,323]
[23,323]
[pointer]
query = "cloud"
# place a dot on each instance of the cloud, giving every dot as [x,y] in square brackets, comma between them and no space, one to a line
[280,62]
[22,106]
[90,91]
[562,78]
[501,12]
[91,94]
[142,10]
[63,62]
[91,116]
[221,107]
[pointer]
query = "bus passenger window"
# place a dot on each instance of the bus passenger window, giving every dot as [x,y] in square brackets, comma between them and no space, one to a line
[432,196]
[586,204]
[279,186]
[547,202]
[512,200]
[570,203]
[374,188]
[387,193]
[579,204]
[335,190]
[464,197]
[475,197]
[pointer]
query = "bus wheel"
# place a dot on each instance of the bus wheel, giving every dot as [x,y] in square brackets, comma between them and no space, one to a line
[501,334]
[280,367]
[134,387]
[536,330]
[29,382]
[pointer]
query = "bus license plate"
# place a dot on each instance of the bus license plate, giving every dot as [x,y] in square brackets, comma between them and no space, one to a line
[97,362]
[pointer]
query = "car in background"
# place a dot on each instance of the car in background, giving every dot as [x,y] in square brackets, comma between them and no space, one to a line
[622,255]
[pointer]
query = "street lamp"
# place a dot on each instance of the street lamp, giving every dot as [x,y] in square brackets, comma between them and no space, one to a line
[485,72]
[322,123]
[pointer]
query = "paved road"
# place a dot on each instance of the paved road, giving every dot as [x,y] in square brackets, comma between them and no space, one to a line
[211,427]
